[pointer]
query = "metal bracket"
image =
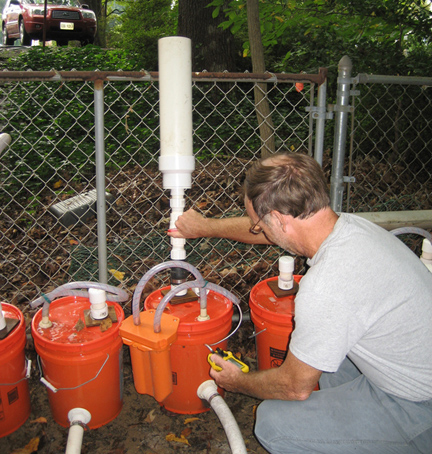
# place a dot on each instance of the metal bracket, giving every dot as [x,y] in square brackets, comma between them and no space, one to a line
[319,113]
[349,179]
[347,109]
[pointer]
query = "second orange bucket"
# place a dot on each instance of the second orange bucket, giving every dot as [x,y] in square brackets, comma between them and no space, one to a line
[273,319]
[189,366]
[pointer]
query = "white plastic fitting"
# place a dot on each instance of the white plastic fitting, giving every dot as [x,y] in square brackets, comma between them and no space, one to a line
[203,316]
[78,418]
[5,140]
[2,319]
[98,305]
[286,270]
[426,256]
[45,322]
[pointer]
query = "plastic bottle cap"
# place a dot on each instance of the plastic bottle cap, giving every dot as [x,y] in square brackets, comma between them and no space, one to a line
[99,307]
[96,295]
[286,264]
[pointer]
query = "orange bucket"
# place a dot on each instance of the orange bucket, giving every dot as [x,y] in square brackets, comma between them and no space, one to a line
[188,354]
[273,320]
[83,366]
[14,389]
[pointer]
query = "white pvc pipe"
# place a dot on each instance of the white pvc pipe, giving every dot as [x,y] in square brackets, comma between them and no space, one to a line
[208,391]
[176,161]
[175,104]
[79,418]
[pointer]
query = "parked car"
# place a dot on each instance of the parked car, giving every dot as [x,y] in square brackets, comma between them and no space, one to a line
[66,20]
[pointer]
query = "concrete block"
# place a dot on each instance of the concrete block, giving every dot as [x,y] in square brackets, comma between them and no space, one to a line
[78,208]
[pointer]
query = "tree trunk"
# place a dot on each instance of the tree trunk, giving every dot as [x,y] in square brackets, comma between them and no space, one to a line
[262,106]
[212,48]
[99,7]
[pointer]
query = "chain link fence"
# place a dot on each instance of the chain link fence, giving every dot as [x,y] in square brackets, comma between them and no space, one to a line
[51,161]
[390,156]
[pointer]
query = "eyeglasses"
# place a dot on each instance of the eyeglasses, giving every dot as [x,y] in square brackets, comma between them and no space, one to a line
[256,229]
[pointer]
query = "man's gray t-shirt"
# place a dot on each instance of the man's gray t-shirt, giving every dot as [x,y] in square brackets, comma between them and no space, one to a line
[368,296]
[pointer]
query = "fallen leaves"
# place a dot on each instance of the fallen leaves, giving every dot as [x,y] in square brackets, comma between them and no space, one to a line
[151,416]
[181,439]
[188,420]
[40,420]
[117,274]
[29,448]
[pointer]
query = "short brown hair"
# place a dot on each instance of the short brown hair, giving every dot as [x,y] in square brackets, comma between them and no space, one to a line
[291,183]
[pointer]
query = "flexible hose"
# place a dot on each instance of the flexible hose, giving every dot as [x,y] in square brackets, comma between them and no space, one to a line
[167,298]
[118,295]
[415,230]
[203,294]
[150,273]
[208,391]
[78,418]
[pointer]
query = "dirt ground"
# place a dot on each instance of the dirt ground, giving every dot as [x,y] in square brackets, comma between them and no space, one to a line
[143,426]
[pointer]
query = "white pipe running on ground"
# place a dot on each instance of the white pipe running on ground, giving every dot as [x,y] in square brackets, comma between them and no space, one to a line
[208,391]
[79,418]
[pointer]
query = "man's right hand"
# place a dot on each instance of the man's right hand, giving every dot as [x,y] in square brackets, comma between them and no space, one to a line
[190,224]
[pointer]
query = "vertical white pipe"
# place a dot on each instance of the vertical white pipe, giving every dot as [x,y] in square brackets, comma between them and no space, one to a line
[175,107]
[176,161]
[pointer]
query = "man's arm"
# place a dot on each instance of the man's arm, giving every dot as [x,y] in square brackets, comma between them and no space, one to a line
[191,224]
[293,380]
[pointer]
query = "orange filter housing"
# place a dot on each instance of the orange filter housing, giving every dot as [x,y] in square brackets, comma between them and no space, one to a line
[14,389]
[188,354]
[150,353]
[273,321]
[84,364]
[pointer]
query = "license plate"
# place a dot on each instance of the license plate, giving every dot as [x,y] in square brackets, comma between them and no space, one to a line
[66,25]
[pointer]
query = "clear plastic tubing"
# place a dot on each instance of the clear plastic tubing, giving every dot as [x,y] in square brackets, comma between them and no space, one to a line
[156,269]
[117,295]
[415,230]
[203,300]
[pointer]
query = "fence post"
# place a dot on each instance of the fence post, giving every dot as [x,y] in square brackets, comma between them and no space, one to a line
[100,181]
[320,116]
[342,109]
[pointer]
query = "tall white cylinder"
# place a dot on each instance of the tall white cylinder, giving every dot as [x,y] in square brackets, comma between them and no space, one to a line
[176,160]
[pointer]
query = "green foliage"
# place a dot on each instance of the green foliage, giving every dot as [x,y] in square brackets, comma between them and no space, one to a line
[304,35]
[141,25]
[52,124]
[88,58]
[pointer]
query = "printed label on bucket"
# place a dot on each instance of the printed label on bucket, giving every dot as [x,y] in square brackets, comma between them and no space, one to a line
[276,357]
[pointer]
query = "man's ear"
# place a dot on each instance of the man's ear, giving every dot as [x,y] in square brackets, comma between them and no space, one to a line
[279,218]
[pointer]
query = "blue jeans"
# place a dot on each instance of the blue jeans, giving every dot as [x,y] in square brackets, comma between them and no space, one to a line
[348,415]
